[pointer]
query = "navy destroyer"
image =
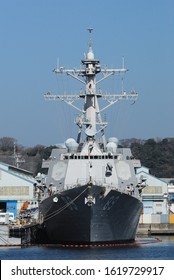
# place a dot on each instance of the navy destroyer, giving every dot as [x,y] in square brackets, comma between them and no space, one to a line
[92,195]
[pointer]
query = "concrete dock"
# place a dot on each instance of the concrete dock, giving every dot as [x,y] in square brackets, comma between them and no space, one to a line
[5,239]
[155,229]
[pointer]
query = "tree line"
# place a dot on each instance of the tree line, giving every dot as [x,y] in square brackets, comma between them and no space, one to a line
[155,154]
[158,156]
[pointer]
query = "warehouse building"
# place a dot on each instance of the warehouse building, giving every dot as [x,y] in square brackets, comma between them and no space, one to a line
[16,189]
[157,198]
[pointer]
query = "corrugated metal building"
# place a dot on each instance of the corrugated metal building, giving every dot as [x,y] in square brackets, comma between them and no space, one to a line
[155,195]
[16,188]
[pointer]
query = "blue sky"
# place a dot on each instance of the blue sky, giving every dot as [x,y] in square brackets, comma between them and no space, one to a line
[35,34]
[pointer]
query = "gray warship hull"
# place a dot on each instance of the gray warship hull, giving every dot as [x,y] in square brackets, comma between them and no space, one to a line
[87,215]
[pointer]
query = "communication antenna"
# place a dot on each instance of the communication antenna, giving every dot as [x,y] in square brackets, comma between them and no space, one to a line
[122,78]
[90,29]
[18,159]
[122,62]
[58,62]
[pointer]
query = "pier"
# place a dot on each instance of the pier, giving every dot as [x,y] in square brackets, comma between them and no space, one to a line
[5,239]
[155,229]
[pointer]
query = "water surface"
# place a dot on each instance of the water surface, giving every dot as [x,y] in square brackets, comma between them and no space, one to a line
[161,248]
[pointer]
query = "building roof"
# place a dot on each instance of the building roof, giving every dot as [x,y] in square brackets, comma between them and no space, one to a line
[18,172]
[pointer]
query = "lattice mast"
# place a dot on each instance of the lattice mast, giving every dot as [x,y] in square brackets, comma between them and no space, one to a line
[90,117]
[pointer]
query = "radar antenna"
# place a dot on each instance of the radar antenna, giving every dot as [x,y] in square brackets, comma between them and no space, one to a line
[90,29]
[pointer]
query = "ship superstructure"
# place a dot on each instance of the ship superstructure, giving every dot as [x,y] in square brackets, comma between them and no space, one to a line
[92,193]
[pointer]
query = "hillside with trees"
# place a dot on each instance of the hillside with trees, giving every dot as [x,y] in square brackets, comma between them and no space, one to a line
[156,154]
[31,158]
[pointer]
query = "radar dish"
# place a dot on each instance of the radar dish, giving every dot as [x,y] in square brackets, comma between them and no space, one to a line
[90,132]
